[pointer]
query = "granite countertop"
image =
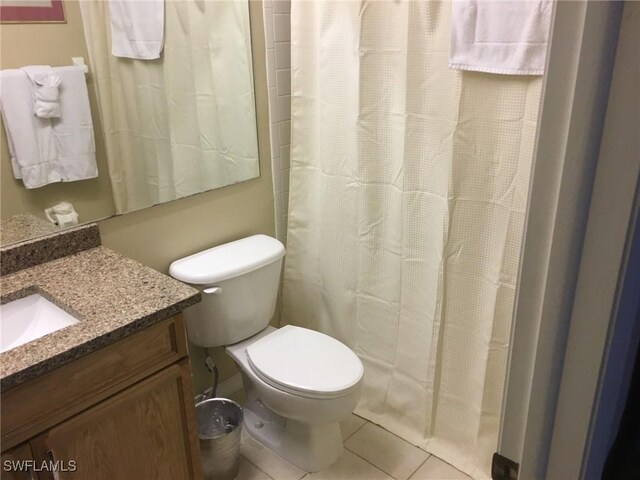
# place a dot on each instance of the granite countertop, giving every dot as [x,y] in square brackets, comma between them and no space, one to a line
[112,296]
[24,226]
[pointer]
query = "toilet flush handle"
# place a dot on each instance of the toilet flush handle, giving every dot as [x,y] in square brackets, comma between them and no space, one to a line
[214,290]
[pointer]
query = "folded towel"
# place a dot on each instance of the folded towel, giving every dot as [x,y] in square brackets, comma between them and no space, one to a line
[137,28]
[45,90]
[73,131]
[46,150]
[30,138]
[500,36]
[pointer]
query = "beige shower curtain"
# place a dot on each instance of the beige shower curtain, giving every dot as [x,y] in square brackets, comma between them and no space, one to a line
[184,123]
[407,204]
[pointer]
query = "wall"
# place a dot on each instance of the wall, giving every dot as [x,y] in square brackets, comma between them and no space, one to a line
[277,25]
[52,44]
[158,235]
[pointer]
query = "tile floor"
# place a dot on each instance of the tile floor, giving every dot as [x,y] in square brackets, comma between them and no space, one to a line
[371,453]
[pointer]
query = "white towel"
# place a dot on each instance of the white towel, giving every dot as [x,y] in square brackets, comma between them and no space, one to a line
[46,150]
[30,138]
[73,131]
[500,36]
[137,28]
[45,85]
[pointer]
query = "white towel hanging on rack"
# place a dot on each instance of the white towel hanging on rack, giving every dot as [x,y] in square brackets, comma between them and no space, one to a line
[45,150]
[500,36]
[137,28]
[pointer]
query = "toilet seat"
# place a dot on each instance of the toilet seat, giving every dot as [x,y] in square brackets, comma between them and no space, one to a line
[305,362]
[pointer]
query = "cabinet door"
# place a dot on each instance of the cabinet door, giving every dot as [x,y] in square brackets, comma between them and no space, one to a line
[14,463]
[145,432]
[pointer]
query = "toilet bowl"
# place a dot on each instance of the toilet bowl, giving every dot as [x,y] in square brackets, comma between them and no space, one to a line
[297,419]
[298,383]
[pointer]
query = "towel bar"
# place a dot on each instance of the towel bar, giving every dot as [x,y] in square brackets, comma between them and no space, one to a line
[79,61]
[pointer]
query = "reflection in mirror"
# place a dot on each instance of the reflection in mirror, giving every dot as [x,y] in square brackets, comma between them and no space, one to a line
[24,226]
[164,128]
[185,122]
[22,210]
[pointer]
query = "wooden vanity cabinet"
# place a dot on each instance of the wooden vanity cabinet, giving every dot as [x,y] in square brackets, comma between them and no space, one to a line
[137,433]
[136,422]
[14,463]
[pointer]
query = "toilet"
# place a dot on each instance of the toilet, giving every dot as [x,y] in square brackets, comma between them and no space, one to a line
[298,383]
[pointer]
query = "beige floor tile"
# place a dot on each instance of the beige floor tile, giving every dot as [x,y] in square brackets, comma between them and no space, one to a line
[248,471]
[269,462]
[389,453]
[436,469]
[351,425]
[349,467]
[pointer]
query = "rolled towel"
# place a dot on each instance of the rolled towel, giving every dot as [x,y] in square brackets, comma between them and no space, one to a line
[46,94]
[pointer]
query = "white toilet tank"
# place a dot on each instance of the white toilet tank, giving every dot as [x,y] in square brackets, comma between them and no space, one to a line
[239,284]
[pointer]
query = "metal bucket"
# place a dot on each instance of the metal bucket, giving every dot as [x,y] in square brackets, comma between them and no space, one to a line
[219,430]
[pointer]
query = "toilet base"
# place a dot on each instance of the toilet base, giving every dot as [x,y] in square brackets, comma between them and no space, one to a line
[310,447]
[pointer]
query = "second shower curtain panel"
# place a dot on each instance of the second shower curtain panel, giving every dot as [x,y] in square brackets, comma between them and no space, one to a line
[408,193]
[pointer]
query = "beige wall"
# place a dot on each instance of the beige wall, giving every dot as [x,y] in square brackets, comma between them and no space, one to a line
[52,44]
[158,235]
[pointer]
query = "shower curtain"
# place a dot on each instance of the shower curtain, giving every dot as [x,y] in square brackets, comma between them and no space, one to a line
[408,193]
[184,123]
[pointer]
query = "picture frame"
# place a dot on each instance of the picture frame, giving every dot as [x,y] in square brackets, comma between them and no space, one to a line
[32,11]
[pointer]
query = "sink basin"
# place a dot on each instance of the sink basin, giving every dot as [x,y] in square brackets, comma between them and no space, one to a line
[28,318]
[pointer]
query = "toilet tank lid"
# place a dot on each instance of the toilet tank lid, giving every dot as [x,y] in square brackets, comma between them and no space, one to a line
[227,261]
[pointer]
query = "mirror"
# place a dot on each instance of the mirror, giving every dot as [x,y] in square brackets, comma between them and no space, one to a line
[163,128]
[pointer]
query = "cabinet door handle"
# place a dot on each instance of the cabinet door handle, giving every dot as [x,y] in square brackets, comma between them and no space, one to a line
[54,467]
